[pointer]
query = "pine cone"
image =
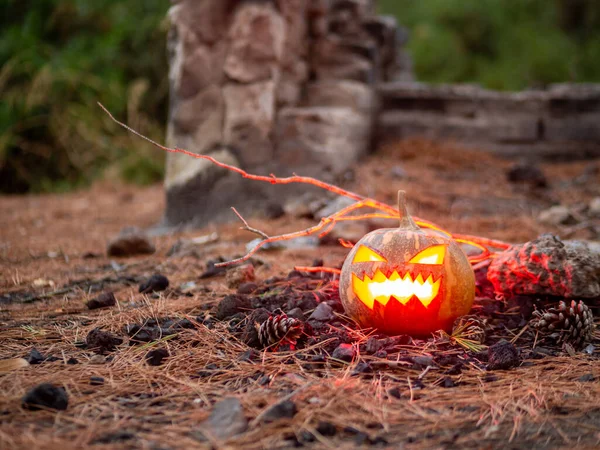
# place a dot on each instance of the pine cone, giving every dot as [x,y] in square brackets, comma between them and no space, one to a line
[278,327]
[573,324]
[472,328]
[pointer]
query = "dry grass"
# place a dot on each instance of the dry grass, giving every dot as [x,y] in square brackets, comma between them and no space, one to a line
[541,404]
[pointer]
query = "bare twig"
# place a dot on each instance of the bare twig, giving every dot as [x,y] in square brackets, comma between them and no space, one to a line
[248,227]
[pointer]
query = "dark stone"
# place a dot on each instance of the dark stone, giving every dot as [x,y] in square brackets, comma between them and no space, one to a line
[156,283]
[247,288]
[362,368]
[395,392]
[72,361]
[373,345]
[209,370]
[448,383]
[143,334]
[527,173]
[248,356]
[326,428]
[155,357]
[423,361]
[96,381]
[274,210]
[46,395]
[503,355]
[323,313]
[456,369]
[587,377]
[344,352]
[212,270]
[104,300]
[282,410]
[296,313]
[489,377]
[112,438]
[225,421]
[306,436]
[231,305]
[131,241]
[35,357]
[101,341]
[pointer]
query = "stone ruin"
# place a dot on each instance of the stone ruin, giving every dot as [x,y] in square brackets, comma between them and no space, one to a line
[310,86]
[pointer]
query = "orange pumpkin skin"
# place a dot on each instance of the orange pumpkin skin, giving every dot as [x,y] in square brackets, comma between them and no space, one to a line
[397,291]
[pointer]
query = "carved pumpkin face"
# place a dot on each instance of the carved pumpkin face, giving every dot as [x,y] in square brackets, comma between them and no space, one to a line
[403,281]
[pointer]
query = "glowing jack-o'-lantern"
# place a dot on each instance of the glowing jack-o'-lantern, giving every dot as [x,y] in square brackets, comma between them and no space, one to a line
[403,281]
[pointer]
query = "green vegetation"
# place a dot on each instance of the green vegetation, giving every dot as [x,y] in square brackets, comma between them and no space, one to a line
[59,57]
[502,44]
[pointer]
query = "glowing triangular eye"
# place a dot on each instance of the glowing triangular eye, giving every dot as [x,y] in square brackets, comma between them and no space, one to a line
[431,255]
[365,254]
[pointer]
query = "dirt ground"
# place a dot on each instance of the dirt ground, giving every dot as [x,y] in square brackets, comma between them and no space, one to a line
[53,260]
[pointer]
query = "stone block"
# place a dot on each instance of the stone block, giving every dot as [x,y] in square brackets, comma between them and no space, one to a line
[200,117]
[257,36]
[249,120]
[208,19]
[321,139]
[342,93]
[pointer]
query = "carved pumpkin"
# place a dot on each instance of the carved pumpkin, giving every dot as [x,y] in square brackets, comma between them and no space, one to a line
[403,281]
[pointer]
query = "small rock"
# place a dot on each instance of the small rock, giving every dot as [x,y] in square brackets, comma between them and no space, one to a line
[96,381]
[72,361]
[248,356]
[101,341]
[503,355]
[326,428]
[104,300]
[46,395]
[156,283]
[155,357]
[247,288]
[490,377]
[448,383]
[527,173]
[130,241]
[296,313]
[111,438]
[274,211]
[344,352]
[557,215]
[587,378]
[594,207]
[398,173]
[211,268]
[322,313]
[423,361]
[225,421]
[231,305]
[238,275]
[35,357]
[373,345]
[97,360]
[333,206]
[282,410]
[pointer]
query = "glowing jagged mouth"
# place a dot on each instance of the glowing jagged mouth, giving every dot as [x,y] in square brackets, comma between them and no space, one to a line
[382,288]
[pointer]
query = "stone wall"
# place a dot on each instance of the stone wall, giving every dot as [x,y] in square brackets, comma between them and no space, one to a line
[272,86]
[562,121]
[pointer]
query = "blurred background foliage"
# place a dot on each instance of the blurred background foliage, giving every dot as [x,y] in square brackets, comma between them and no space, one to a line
[59,57]
[502,44]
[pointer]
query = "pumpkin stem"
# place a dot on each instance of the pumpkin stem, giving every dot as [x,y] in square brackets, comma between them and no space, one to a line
[406,221]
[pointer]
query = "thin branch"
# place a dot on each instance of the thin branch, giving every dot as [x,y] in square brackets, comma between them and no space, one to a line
[248,227]
[389,212]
